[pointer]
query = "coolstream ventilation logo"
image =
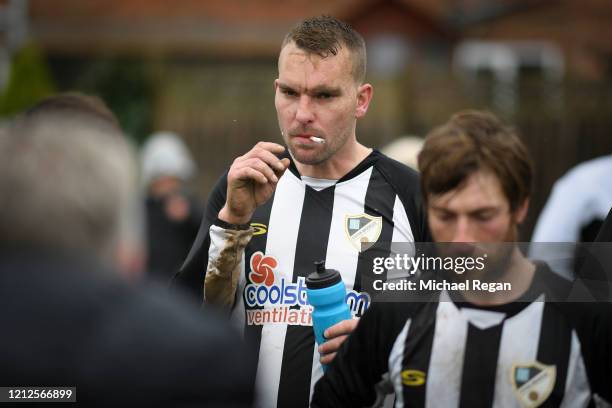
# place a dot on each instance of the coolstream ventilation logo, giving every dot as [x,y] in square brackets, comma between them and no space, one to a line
[262,269]
[272,300]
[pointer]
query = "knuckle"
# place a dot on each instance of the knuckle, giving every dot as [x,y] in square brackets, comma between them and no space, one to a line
[261,165]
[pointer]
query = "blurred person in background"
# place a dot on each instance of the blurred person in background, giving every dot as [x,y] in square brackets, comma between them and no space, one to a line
[67,182]
[404,149]
[596,269]
[605,232]
[276,212]
[128,252]
[468,348]
[173,215]
[575,211]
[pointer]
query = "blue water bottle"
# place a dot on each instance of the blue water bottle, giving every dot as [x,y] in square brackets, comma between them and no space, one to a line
[327,295]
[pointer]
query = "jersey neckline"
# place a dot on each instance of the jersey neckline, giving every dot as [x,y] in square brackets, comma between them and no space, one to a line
[545,282]
[369,161]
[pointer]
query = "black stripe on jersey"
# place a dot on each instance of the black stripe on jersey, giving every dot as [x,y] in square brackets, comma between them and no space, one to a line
[554,348]
[406,182]
[379,202]
[480,366]
[252,333]
[313,234]
[417,352]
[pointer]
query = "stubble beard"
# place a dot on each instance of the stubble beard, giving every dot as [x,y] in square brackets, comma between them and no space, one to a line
[325,151]
[498,265]
[310,160]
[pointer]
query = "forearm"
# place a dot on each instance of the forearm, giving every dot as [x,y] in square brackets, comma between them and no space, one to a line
[348,381]
[351,378]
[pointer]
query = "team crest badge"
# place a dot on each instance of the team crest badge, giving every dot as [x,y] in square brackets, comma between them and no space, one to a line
[532,382]
[362,229]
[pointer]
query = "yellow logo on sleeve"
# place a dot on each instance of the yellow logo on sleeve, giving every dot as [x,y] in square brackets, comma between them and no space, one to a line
[413,378]
[260,229]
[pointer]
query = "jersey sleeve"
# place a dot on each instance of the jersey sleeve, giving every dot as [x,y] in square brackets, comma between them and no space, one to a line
[190,276]
[225,260]
[362,360]
[406,183]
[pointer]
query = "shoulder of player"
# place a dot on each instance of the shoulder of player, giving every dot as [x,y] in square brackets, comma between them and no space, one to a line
[555,287]
[397,174]
[588,317]
[560,294]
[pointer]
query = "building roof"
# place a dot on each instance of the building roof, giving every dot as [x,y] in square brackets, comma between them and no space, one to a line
[246,27]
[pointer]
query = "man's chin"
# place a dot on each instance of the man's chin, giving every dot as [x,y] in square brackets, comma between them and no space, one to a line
[306,156]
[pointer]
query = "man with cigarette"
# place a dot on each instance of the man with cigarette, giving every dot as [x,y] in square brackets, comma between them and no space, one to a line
[524,347]
[278,211]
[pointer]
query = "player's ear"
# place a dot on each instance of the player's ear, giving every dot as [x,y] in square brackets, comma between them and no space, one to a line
[521,211]
[364,96]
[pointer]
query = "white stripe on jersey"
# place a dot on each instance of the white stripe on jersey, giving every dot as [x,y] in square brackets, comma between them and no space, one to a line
[447,352]
[402,240]
[577,389]
[402,232]
[283,228]
[396,359]
[511,351]
[349,199]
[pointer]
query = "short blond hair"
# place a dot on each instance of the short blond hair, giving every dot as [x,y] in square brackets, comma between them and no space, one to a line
[325,35]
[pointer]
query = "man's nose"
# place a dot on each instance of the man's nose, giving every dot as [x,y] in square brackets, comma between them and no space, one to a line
[463,231]
[304,113]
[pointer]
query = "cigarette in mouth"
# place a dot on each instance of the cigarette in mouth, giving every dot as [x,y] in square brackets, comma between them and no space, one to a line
[317,139]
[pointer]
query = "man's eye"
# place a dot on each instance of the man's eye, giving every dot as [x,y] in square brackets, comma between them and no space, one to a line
[445,217]
[483,217]
[288,92]
[324,95]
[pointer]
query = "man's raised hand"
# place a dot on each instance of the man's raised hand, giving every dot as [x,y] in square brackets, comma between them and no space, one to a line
[251,181]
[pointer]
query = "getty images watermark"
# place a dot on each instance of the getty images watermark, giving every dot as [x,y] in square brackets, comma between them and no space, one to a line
[413,265]
[408,272]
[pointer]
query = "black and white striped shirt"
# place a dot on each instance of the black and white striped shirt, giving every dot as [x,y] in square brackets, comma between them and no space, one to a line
[306,220]
[451,353]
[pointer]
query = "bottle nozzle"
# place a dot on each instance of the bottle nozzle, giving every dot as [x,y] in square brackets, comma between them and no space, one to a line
[321,277]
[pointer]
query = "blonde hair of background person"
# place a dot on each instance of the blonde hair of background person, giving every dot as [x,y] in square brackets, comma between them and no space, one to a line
[68,182]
